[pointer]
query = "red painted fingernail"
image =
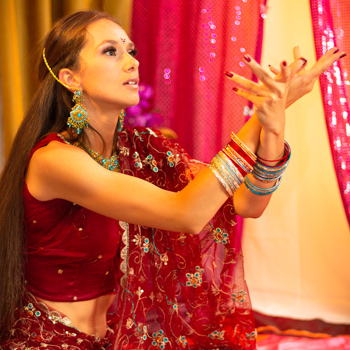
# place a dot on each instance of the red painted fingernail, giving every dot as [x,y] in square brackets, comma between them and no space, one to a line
[343,55]
[247,58]
[336,51]
[228,74]
[304,60]
[235,89]
[284,63]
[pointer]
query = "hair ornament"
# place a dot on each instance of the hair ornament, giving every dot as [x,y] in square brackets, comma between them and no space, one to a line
[78,119]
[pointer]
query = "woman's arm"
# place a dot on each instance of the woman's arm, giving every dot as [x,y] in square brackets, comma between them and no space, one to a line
[64,171]
[253,135]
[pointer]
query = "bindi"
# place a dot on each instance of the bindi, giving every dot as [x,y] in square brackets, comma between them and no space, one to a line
[123,40]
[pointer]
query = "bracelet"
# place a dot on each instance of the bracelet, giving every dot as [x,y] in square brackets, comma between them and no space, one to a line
[226,172]
[232,164]
[261,191]
[268,173]
[280,161]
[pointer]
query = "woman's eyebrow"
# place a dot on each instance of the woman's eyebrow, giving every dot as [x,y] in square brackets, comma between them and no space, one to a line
[115,42]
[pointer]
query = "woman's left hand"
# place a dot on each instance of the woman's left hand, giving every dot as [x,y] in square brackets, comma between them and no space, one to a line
[304,80]
[269,96]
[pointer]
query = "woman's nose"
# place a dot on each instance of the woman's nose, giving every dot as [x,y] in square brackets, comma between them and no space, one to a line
[131,63]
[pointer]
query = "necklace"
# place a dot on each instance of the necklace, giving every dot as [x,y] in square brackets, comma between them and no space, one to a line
[110,163]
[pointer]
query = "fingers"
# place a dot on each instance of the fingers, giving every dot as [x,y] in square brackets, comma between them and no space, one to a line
[253,87]
[326,61]
[263,76]
[296,52]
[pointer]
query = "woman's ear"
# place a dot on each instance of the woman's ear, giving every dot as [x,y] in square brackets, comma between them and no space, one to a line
[68,77]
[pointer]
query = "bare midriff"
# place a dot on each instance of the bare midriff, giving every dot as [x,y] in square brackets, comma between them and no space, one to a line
[88,316]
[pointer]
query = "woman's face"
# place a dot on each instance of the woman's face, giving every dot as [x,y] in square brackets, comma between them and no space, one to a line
[108,72]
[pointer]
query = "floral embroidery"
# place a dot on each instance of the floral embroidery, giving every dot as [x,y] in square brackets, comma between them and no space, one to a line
[217,335]
[151,162]
[137,160]
[251,336]
[239,297]
[146,245]
[170,158]
[159,339]
[152,132]
[220,236]
[182,341]
[124,151]
[194,279]
[129,323]
[164,258]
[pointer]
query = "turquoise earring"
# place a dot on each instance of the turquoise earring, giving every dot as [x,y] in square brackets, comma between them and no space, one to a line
[78,119]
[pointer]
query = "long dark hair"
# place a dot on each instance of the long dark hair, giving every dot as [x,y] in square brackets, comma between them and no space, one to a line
[46,114]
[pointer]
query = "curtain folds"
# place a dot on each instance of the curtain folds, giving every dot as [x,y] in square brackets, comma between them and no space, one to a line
[331,26]
[23,24]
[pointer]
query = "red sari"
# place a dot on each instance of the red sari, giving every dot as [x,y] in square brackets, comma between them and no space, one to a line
[175,290]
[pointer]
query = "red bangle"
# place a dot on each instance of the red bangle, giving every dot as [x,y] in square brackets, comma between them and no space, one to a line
[282,160]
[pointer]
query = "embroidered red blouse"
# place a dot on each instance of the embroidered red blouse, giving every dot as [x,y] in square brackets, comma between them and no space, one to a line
[71,251]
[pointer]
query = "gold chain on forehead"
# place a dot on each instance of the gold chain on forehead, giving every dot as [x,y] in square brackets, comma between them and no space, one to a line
[53,74]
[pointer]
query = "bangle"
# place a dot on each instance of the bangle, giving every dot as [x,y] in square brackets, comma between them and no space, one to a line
[268,173]
[232,164]
[261,191]
[280,161]
[226,172]
[242,149]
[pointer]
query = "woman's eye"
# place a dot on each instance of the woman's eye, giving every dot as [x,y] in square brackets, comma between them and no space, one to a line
[110,51]
[133,52]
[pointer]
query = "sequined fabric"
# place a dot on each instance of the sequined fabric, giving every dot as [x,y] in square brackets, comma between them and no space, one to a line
[184,47]
[331,25]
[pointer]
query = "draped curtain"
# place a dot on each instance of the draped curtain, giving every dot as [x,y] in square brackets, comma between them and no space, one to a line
[184,49]
[331,26]
[23,24]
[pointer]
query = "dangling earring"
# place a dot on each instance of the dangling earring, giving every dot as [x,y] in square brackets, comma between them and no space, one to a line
[78,119]
[120,121]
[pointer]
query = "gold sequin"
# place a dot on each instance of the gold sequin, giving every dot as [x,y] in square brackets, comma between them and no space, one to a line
[80,229]
[34,221]
[100,256]
[107,273]
[75,298]
[60,271]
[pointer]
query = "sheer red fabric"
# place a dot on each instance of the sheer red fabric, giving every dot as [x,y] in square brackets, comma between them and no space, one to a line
[184,49]
[179,291]
[174,290]
[331,25]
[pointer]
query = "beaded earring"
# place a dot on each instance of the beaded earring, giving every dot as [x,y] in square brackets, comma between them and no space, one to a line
[78,118]
[121,121]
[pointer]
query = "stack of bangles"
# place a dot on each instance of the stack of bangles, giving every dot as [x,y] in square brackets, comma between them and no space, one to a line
[233,163]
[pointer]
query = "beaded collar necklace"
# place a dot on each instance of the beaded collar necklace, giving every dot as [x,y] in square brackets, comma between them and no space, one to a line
[110,163]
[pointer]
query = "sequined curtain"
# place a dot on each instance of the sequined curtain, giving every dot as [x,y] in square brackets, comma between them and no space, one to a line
[184,49]
[331,25]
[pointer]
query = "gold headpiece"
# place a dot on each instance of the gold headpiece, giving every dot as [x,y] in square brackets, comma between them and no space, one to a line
[52,73]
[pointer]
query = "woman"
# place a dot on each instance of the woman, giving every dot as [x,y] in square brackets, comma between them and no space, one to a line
[112,237]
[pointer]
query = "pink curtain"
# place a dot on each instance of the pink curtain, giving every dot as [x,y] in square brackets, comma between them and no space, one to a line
[331,25]
[184,49]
